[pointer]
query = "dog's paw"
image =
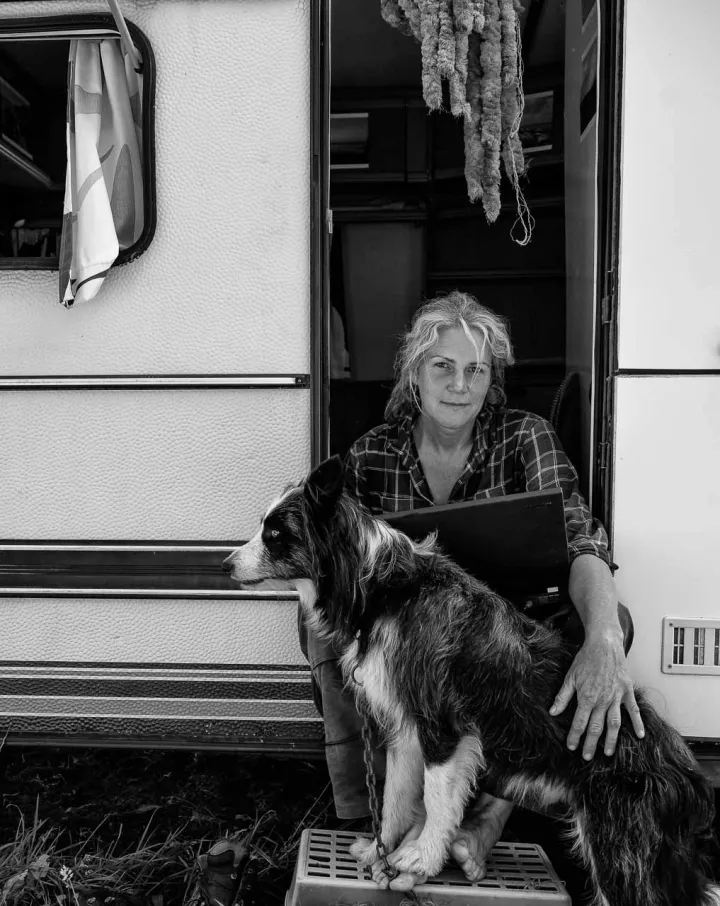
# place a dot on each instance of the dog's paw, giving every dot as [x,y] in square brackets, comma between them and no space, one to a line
[401,881]
[418,859]
[364,849]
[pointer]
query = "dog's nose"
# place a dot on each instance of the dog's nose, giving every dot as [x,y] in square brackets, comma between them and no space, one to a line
[227,565]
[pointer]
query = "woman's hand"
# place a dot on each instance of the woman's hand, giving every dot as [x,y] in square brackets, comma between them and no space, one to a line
[600,679]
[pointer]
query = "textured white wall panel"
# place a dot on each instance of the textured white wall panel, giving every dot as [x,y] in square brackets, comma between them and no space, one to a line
[150,464]
[149,630]
[225,284]
[669,315]
[666,530]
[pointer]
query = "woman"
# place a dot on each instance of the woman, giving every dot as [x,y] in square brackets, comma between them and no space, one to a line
[448,437]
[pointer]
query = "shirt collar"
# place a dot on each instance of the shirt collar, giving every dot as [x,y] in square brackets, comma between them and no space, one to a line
[402,442]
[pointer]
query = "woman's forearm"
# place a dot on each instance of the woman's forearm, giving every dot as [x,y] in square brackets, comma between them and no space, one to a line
[592,591]
[599,675]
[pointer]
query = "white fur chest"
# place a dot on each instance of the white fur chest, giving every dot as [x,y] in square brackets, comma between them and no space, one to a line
[371,682]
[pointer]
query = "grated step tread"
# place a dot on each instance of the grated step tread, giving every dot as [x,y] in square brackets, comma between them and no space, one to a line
[518,874]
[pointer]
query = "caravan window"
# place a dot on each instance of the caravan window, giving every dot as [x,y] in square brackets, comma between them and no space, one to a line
[33,152]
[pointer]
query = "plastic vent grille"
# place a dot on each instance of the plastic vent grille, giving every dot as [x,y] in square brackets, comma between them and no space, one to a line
[326,873]
[691,646]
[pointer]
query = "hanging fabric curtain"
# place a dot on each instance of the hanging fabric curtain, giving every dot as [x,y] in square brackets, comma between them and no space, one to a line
[103,211]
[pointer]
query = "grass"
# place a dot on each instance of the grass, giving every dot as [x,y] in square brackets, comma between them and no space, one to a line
[88,828]
[35,867]
[125,828]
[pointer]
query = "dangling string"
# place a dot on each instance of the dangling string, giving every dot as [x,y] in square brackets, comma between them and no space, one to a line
[525,218]
[127,41]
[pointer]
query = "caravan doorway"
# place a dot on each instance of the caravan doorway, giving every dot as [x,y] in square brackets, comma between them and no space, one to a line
[405,231]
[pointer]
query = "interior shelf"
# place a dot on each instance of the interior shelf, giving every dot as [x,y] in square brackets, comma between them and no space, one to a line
[16,170]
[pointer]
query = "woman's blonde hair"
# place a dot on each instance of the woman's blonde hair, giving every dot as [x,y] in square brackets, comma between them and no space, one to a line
[453,310]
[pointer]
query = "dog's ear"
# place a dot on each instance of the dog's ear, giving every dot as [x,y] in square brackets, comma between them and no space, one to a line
[324,484]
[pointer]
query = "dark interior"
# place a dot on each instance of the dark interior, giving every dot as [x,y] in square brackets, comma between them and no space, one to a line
[404,229]
[33,94]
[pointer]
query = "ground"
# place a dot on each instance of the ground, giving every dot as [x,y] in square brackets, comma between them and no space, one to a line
[134,822]
[125,828]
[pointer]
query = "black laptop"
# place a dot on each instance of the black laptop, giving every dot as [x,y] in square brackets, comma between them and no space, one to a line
[516,543]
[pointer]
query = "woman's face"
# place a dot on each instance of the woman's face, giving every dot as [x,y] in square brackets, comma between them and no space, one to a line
[454,378]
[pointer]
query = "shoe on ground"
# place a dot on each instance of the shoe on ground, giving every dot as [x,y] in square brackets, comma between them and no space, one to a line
[221,869]
[249,893]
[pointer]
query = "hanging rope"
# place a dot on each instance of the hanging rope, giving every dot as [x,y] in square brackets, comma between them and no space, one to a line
[475,46]
[125,37]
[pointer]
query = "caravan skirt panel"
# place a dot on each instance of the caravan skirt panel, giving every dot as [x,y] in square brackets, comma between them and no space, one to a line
[149,671]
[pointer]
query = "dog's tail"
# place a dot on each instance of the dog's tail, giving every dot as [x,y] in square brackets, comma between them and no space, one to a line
[645,822]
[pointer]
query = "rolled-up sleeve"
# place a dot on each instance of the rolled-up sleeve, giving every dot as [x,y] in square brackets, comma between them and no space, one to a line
[547,466]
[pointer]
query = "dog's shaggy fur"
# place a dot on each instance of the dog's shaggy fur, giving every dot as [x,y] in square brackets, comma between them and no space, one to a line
[461,685]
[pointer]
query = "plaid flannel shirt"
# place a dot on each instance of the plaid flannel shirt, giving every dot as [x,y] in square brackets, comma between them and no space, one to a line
[512,452]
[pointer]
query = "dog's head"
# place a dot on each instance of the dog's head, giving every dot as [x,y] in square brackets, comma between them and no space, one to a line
[319,542]
[282,552]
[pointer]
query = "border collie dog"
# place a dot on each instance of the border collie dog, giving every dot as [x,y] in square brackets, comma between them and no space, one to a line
[460,684]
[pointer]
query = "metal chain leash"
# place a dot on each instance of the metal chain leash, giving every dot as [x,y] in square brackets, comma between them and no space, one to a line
[371,784]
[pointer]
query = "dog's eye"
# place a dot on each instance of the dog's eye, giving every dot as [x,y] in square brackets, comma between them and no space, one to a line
[274,533]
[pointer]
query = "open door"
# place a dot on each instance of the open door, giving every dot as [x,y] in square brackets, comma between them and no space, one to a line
[404,229]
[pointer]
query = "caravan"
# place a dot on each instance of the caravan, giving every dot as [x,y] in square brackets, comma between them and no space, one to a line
[298,202]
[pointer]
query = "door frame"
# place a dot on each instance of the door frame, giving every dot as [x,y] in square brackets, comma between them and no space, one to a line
[320,229]
[609,169]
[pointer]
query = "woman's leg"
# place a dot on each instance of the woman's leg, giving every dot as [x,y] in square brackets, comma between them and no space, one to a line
[344,750]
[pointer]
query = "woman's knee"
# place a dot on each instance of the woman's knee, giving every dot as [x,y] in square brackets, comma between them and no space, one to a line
[316,649]
[628,628]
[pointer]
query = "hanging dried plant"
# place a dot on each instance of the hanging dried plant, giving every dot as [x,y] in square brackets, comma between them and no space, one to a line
[446,40]
[394,15]
[511,100]
[491,116]
[512,105]
[474,151]
[458,80]
[474,45]
[463,16]
[509,46]
[430,34]
[412,14]
[478,16]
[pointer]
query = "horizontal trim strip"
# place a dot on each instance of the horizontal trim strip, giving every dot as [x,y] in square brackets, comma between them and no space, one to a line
[116,567]
[182,669]
[119,568]
[152,688]
[666,372]
[297,746]
[155,382]
[135,729]
[119,546]
[65,34]
[150,708]
[120,593]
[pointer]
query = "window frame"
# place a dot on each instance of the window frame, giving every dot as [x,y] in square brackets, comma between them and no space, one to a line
[64,26]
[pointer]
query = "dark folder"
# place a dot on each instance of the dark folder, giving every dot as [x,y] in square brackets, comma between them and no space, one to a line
[516,543]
